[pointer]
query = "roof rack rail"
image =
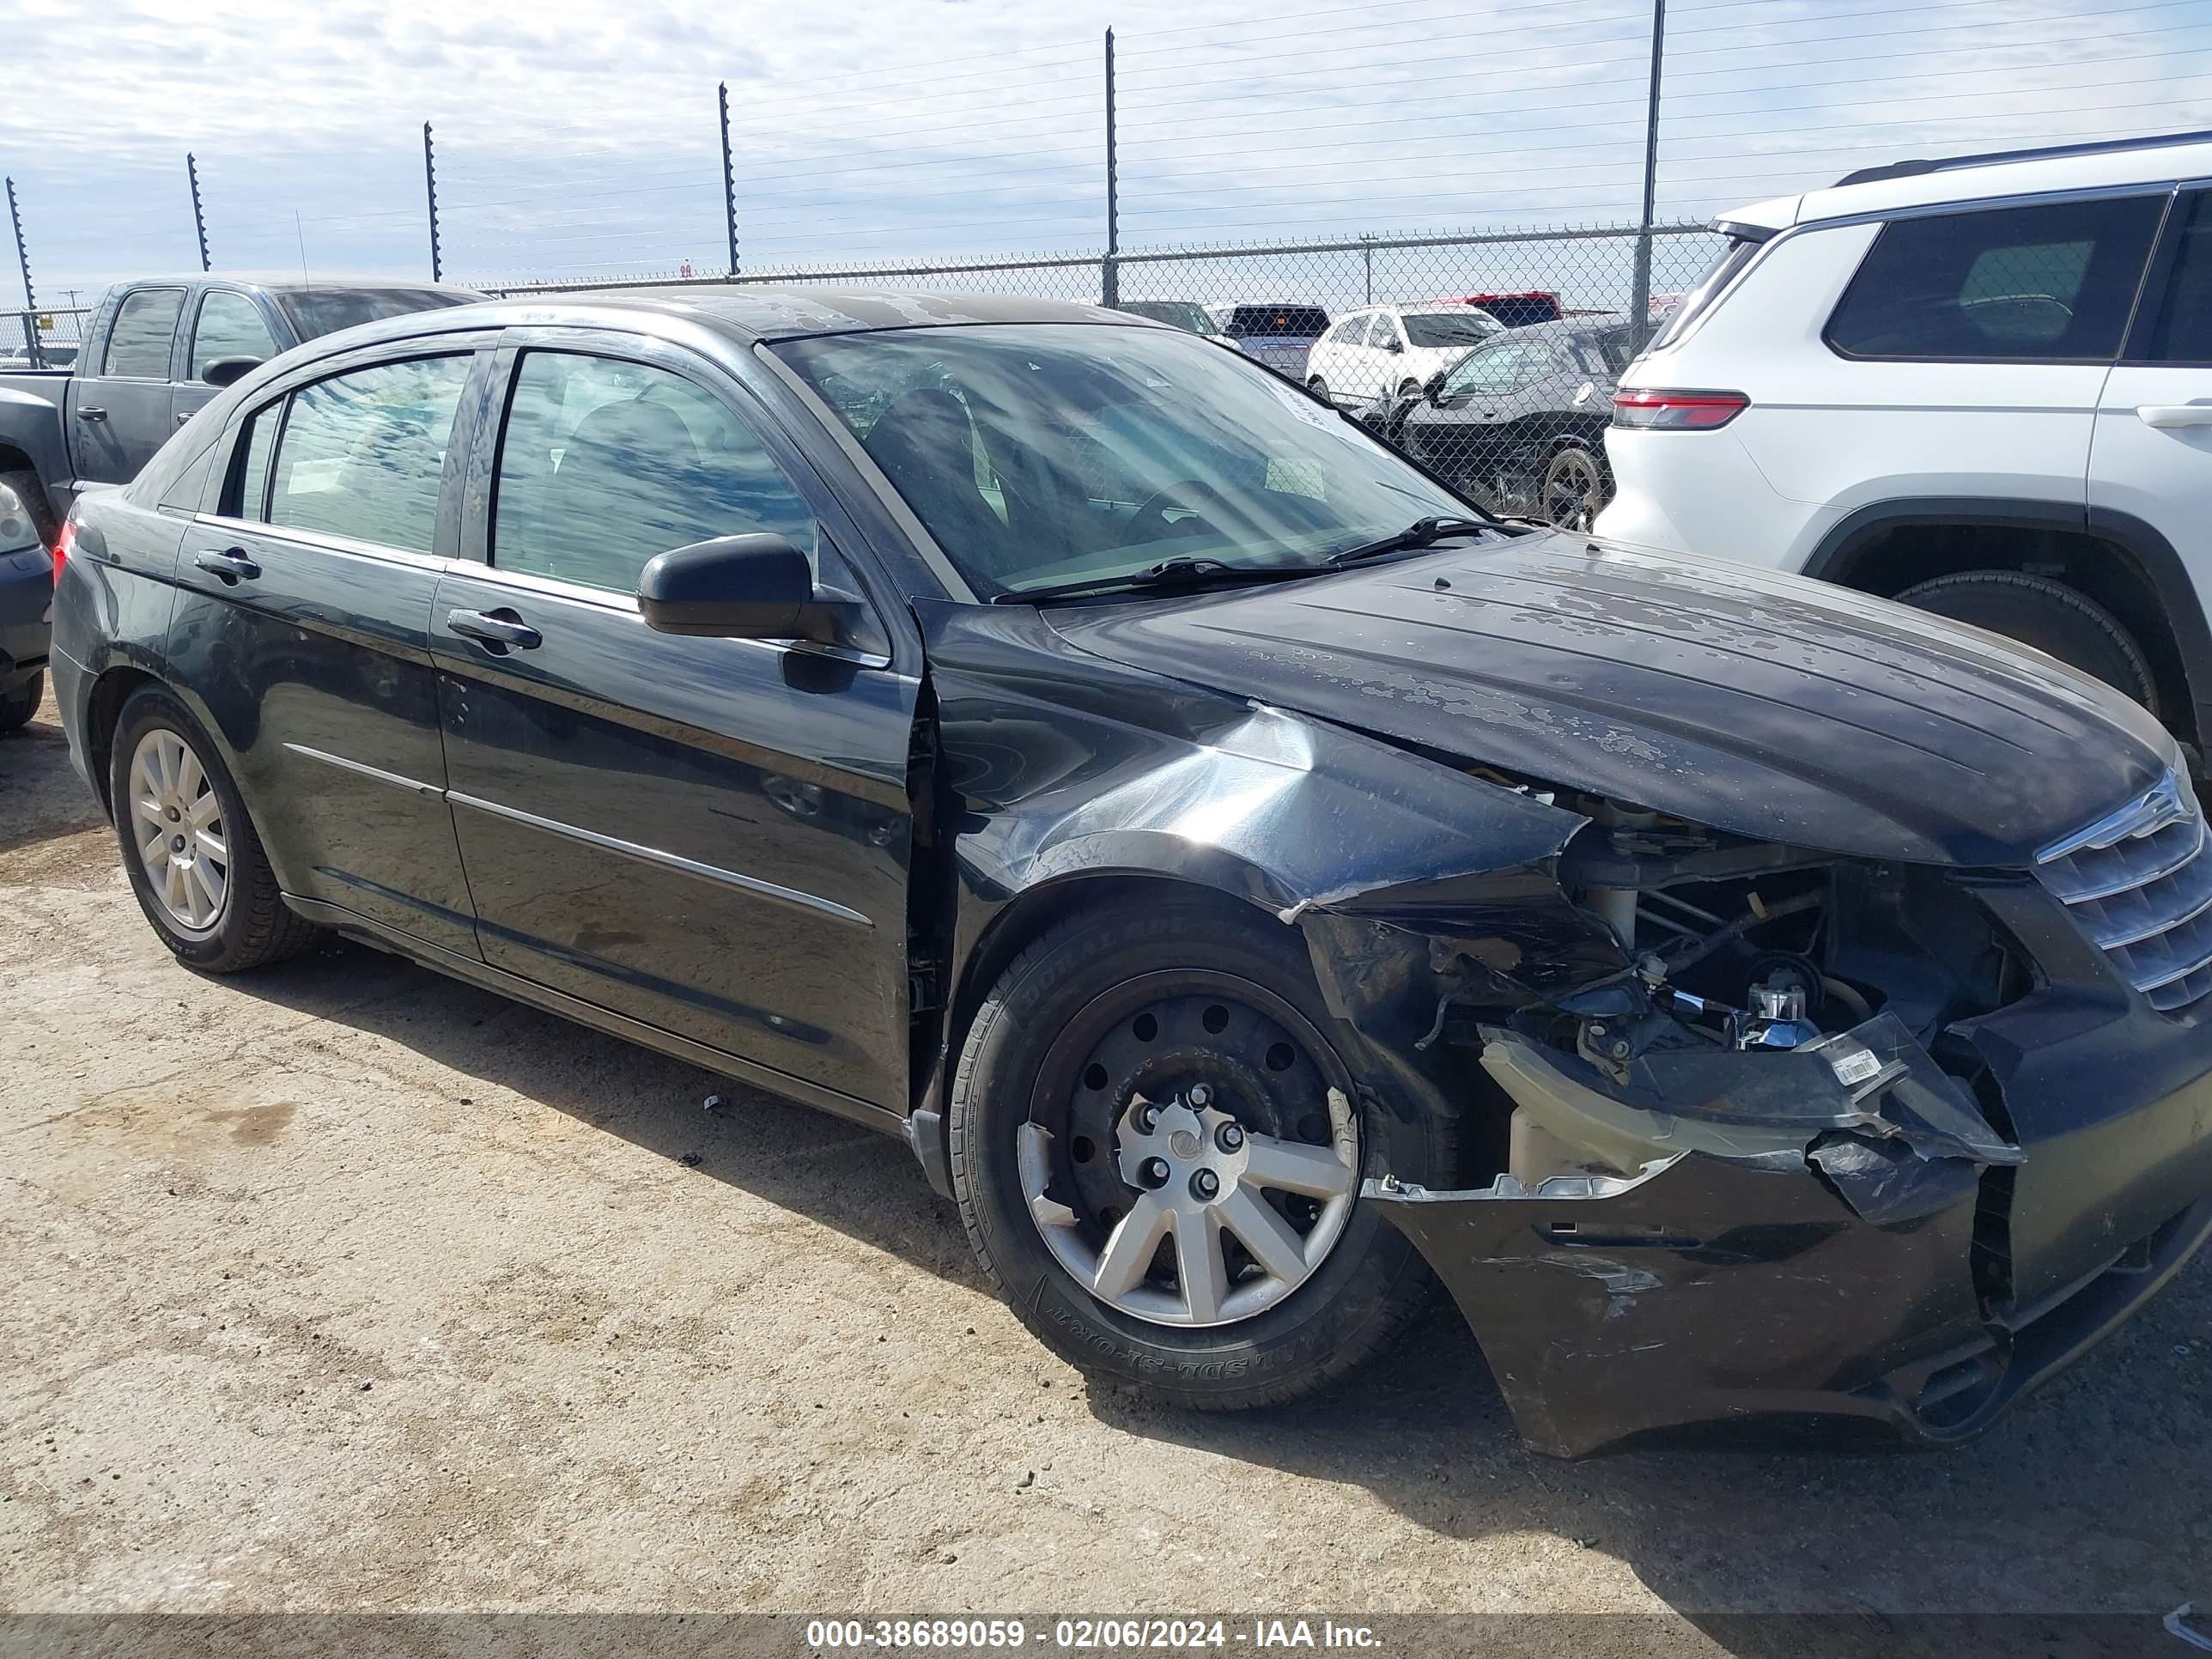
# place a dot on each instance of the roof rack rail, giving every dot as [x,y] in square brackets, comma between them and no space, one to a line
[1913,169]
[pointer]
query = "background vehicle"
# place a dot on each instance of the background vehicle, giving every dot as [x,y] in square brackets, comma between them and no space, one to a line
[1278,334]
[1522,310]
[1519,424]
[1186,314]
[27,588]
[1047,737]
[1373,352]
[1982,385]
[144,370]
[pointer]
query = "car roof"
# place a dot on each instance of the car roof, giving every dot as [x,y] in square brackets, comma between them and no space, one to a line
[286,282]
[2171,158]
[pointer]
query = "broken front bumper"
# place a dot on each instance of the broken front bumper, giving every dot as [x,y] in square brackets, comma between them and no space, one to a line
[1864,1247]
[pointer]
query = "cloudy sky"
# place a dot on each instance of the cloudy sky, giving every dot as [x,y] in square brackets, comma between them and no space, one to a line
[578,141]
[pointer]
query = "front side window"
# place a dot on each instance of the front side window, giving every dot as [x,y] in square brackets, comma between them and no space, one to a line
[2052,283]
[603,464]
[362,453]
[1504,367]
[1384,334]
[1449,328]
[1042,454]
[2181,327]
[230,326]
[145,329]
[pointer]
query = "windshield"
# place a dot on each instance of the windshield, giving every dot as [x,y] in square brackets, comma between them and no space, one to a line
[1447,328]
[318,311]
[1042,454]
[1182,313]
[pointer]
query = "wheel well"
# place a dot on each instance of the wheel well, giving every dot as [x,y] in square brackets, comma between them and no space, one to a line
[1893,558]
[109,693]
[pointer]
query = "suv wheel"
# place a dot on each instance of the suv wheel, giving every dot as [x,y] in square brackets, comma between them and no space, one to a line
[1158,1151]
[192,854]
[2050,616]
[1575,488]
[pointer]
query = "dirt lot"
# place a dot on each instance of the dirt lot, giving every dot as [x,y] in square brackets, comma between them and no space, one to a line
[344,1286]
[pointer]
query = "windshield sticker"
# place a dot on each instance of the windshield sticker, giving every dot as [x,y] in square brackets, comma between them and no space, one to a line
[1305,407]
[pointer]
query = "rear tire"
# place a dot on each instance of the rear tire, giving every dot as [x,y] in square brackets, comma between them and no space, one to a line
[17,708]
[1576,487]
[1086,990]
[1319,387]
[170,791]
[2054,618]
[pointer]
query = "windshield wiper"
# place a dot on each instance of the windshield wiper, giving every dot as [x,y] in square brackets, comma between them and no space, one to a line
[1169,573]
[1422,532]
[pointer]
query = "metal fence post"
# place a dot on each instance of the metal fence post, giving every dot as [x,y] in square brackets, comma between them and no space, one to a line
[30,296]
[1110,267]
[1639,299]
[199,218]
[1367,277]
[729,177]
[430,184]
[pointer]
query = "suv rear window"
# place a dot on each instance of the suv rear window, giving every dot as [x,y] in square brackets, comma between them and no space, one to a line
[1277,322]
[2051,283]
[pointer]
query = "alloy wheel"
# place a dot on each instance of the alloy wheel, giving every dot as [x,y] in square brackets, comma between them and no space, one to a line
[176,825]
[1572,490]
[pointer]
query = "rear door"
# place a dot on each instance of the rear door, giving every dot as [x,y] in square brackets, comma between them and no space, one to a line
[228,323]
[302,624]
[2152,457]
[709,836]
[120,412]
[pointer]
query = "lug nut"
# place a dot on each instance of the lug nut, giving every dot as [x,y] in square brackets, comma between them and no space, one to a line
[1204,1184]
[1154,1171]
[1229,1137]
[1201,1097]
[1148,1118]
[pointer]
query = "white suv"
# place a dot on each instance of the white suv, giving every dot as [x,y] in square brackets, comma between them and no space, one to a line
[1983,386]
[1378,350]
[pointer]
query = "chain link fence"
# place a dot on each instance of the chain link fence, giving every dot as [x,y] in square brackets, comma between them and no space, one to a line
[1492,358]
[46,338]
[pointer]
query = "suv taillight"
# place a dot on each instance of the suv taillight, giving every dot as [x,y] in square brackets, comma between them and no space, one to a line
[1676,411]
[63,544]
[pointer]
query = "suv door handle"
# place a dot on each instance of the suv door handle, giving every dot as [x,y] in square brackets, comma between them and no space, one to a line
[92,413]
[2166,417]
[495,629]
[186,416]
[231,565]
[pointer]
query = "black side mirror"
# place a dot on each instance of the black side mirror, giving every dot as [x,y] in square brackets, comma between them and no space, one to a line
[1395,346]
[740,587]
[1433,388]
[229,371]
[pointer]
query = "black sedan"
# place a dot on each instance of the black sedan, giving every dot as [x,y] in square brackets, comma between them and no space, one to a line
[1245,881]
[1519,422]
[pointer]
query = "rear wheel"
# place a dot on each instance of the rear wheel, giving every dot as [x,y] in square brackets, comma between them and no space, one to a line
[193,858]
[1158,1148]
[2049,616]
[1575,489]
[1319,387]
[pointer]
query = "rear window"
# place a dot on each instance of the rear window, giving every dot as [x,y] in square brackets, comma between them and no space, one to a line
[1277,322]
[1717,276]
[2051,283]
[318,311]
[1447,328]
[1520,310]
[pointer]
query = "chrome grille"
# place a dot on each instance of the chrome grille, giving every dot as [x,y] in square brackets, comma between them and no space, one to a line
[2137,881]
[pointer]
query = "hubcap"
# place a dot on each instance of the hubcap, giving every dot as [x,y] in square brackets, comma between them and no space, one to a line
[177,827]
[1182,1183]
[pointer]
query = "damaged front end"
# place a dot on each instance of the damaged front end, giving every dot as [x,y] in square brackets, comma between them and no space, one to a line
[1755,1121]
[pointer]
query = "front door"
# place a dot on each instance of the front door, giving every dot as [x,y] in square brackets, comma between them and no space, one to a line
[707,835]
[121,408]
[2152,455]
[303,626]
[229,324]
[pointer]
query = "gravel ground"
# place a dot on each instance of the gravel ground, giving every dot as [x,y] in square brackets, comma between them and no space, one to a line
[343,1286]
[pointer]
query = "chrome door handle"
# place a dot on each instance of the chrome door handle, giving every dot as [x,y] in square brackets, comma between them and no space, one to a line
[2167,417]
[231,565]
[186,416]
[93,413]
[496,629]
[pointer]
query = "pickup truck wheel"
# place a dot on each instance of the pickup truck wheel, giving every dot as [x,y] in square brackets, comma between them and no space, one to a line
[190,849]
[33,495]
[1158,1149]
[2049,616]
[17,708]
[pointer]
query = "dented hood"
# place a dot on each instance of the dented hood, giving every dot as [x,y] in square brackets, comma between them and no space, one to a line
[1767,705]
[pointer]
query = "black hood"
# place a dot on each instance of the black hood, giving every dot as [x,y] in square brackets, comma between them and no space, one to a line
[1771,706]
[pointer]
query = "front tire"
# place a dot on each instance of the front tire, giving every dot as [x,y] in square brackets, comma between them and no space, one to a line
[2054,618]
[192,854]
[1151,1167]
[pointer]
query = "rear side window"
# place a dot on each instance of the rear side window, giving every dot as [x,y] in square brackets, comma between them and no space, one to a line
[246,495]
[2028,284]
[2181,327]
[145,328]
[604,464]
[362,454]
